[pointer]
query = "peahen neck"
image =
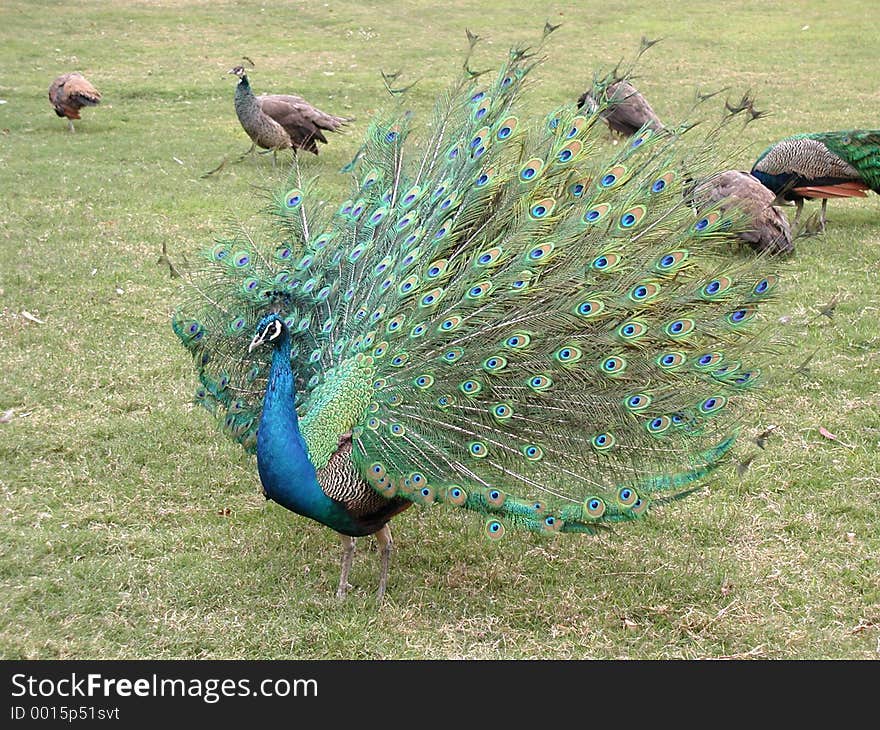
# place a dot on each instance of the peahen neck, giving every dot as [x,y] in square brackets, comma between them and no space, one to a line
[244,96]
[286,471]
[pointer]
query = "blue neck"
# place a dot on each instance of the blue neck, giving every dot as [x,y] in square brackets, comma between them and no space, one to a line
[287,474]
[776,183]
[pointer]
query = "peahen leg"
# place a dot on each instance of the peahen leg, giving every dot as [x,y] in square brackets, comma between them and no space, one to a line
[383,538]
[249,152]
[347,555]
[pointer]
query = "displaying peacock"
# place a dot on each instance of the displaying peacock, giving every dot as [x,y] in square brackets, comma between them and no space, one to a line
[821,165]
[503,319]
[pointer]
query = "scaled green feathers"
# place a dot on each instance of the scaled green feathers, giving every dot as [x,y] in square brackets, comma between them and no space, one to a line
[507,317]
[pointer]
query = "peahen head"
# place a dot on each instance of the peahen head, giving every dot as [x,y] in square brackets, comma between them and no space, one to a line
[238,71]
[269,329]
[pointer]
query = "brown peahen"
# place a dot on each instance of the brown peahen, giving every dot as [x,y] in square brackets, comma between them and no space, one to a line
[281,121]
[623,108]
[69,93]
[504,319]
[765,227]
[823,165]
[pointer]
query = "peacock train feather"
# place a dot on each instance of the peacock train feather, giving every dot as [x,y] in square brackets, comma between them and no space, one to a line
[507,318]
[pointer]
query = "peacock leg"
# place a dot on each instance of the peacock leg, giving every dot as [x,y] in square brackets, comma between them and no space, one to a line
[70,125]
[347,555]
[800,206]
[822,218]
[383,538]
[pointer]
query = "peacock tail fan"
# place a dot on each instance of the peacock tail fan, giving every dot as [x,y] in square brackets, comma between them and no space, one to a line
[507,317]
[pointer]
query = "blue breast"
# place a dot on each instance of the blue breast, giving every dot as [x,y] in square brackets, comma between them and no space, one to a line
[287,474]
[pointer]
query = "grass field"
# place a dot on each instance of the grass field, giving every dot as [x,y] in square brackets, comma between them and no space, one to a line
[130,528]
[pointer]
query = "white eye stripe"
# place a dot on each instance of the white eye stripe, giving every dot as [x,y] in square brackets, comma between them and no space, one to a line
[276,331]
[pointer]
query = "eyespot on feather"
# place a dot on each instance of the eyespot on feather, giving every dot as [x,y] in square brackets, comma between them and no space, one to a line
[455,495]
[505,128]
[531,169]
[613,177]
[627,496]
[542,208]
[596,213]
[632,217]
[293,199]
[494,497]
[606,262]
[494,530]
[632,330]
[593,508]
[680,327]
[569,152]
[671,360]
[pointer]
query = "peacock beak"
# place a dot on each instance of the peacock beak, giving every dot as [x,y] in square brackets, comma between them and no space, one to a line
[255,343]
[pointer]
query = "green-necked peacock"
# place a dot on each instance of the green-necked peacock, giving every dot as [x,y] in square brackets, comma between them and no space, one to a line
[503,319]
[821,165]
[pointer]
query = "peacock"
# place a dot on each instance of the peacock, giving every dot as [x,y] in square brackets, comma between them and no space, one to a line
[626,110]
[69,93]
[765,227]
[822,165]
[505,319]
[281,121]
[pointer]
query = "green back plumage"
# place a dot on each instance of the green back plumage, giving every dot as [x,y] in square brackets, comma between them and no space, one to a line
[506,319]
[857,148]
[860,148]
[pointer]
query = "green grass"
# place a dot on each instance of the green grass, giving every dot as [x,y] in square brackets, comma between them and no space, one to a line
[130,528]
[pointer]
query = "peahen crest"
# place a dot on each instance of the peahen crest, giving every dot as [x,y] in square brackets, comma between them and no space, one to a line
[506,318]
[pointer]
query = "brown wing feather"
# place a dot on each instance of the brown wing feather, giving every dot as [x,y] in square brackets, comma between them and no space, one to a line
[768,229]
[628,110]
[302,121]
[70,92]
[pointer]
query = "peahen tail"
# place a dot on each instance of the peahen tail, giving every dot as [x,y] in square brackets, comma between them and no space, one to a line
[507,318]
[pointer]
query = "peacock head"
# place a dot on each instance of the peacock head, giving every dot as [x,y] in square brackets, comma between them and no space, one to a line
[269,329]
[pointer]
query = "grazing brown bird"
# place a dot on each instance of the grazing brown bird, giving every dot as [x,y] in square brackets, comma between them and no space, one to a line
[69,93]
[627,111]
[281,121]
[767,229]
[841,164]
